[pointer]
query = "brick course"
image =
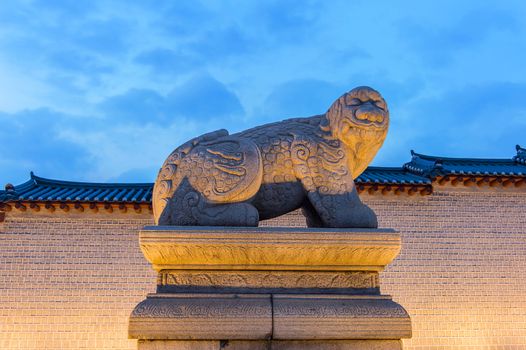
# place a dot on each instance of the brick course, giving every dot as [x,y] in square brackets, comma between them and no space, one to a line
[70,282]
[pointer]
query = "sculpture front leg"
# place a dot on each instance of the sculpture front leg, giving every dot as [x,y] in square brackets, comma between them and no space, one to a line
[342,210]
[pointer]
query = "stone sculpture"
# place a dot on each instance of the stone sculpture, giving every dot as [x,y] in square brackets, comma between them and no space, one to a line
[219,179]
[272,287]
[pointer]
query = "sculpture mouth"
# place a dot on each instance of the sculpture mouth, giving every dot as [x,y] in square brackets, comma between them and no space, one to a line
[369,122]
[352,130]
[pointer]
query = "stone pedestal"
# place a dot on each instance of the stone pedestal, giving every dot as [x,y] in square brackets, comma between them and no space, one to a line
[262,288]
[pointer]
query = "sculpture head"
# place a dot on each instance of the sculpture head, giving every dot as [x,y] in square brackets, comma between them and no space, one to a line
[359,119]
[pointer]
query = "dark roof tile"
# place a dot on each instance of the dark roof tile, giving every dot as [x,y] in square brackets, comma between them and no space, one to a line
[41,189]
[389,176]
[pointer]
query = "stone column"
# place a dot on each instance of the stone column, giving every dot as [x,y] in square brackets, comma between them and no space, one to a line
[268,288]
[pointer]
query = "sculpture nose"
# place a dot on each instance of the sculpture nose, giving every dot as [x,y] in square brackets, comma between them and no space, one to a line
[368,112]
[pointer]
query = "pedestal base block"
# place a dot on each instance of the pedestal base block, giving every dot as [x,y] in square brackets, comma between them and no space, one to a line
[202,316]
[310,317]
[270,345]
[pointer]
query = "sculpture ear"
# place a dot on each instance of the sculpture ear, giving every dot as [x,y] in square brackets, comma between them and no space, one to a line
[334,114]
[210,136]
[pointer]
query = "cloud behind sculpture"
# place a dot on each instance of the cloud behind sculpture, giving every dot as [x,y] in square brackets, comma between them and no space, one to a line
[204,98]
[166,61]
[178,69]
[135,106]
[300,98]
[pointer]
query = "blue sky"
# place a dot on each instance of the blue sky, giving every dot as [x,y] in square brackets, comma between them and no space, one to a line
[104,90]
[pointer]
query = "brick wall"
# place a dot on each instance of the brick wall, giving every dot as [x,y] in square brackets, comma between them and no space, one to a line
[71,282]
[461,273]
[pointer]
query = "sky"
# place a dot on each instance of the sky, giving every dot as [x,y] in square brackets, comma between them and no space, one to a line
[103,91]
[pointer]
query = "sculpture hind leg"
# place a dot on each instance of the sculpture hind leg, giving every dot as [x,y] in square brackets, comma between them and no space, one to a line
[311,216]
[188,207]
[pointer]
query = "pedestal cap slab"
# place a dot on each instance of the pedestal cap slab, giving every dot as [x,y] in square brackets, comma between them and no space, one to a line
[268,248]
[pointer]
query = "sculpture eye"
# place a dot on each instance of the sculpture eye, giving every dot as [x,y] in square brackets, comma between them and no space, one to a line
[354,102]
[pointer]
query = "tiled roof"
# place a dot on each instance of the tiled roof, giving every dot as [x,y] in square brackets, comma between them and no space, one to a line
[390,176]
[41,189]
[431,166]
[418,173]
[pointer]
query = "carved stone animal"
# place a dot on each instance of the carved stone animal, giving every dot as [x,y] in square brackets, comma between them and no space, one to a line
[219,179]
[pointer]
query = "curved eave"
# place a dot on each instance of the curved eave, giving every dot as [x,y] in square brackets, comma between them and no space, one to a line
[482,180]
[76,207]
[384,189]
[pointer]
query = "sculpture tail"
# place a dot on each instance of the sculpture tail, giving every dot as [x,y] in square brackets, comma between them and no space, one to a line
[165,185]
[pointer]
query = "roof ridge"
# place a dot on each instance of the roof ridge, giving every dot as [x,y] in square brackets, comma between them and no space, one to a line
[520,157]
[439,158]
[55,182]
